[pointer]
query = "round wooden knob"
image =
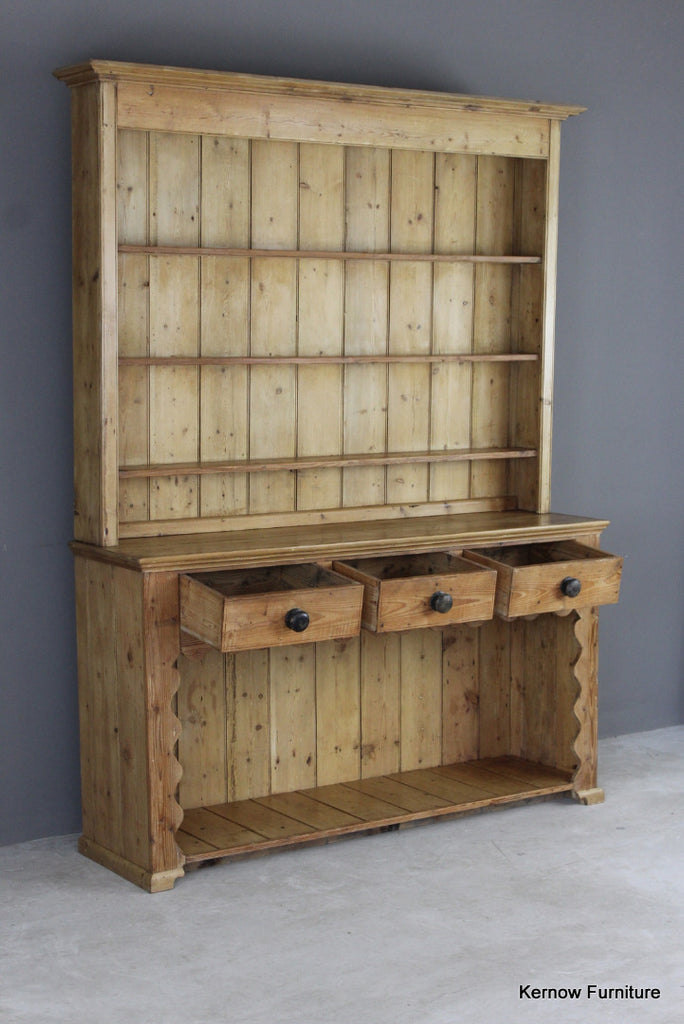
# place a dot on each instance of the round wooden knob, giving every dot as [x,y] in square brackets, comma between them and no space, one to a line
[441,602]
[297,620]
[571,586]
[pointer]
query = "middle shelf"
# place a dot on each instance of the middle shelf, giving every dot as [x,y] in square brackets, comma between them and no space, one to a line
[327,254]
[324,360]
[173,469]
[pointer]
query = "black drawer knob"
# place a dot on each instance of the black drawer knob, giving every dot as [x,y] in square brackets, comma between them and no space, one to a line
[570,586]
[297,620]
[441,602]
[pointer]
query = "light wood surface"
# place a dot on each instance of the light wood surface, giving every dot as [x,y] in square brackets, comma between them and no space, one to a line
[242,611]
[320,539]
[247,261]
[313,367]
[398,591]
[330,811]
[127,651]
[93,148]
[529,578]
[348,709]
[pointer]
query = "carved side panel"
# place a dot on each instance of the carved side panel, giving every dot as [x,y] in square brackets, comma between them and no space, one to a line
[586,706]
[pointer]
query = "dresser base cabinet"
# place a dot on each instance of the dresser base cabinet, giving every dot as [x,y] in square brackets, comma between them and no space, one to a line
[190,757]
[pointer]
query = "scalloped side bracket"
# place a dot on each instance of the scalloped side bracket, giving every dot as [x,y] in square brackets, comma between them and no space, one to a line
[585,670]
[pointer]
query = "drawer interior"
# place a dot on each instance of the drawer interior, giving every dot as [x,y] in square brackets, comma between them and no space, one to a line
[519,556]
[401,567]
[274,579]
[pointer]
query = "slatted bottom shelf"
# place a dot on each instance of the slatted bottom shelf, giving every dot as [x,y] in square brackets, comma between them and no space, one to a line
[326,812]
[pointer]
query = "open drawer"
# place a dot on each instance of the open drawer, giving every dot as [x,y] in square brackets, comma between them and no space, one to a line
[550,577]
[243,609]
[414,591]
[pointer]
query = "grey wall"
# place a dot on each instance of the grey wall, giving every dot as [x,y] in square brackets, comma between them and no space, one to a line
[619,369]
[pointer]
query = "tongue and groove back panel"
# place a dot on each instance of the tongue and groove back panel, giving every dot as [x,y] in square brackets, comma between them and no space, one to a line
[330,303]
[180,411]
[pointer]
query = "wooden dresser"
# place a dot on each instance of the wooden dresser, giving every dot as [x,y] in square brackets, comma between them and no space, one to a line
[319,587]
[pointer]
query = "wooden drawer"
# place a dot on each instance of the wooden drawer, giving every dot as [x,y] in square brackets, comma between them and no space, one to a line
[414,591]
[552,577]
[239,610]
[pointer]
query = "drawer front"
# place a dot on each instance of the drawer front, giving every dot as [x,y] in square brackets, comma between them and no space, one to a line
[446,592]
[215,611]
[537,578]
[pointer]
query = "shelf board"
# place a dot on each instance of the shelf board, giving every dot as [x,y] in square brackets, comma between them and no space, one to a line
[451,357]
[326,812]
[327,254]
[324,540]
[168,469]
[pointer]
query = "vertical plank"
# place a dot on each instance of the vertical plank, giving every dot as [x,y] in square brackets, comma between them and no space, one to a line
[412,199]
[161,616]
[492,322]
[408,413]
[248,725]
[274,321]
[174,392]
[380,704]
[96,471]
[132,218]
[202,744]
[86,709]
[450,419]
[408,406]
[367,198]
[567,691]
[495,673]
[421,699]
[461,695]
[225,195]
[293,718]
[134,421]
[224,390]
[586,706]
[174,188]
[539,721]
[132,740]
[132,198]
[519,637]
[174,320]
[321,321]
[98,705]
[526,409]
[224,320]
[338,711]
[455,184]
[549,316]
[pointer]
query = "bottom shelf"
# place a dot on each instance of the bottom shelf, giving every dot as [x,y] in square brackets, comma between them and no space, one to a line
[326,812]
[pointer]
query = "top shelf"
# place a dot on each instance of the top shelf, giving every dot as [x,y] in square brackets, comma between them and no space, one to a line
[308,254]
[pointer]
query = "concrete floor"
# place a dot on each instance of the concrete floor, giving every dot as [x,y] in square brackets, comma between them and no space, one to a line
[434,925]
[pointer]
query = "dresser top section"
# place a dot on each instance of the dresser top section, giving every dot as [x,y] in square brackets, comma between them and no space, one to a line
[119,71]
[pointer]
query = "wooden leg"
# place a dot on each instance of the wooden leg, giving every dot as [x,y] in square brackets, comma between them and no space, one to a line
[151,881]
[590,796]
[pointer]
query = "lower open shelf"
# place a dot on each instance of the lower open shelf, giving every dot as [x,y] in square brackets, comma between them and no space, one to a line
[326,812]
